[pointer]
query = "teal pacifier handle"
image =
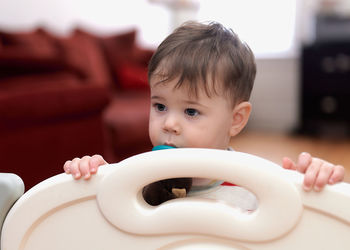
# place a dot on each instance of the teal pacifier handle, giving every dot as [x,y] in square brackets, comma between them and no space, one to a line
[160,147]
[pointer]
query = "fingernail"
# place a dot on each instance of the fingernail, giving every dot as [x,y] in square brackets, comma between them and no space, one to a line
[93,170]
[303,158]
[77,175]
[87,176]
[317,189]
[307,189]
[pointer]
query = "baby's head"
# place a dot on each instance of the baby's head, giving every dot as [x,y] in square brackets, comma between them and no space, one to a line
[201,77]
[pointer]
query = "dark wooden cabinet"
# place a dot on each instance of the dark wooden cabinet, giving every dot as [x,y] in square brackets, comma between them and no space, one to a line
[325,88]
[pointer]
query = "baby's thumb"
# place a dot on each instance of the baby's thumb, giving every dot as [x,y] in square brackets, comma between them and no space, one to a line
[287,163]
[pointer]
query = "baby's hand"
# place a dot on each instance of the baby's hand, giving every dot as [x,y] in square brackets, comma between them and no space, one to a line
[84,167]
[318,172]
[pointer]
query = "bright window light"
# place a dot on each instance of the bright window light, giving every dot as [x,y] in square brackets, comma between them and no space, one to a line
[267,26]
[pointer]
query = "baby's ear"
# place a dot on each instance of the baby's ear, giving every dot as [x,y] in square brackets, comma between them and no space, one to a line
[241,113]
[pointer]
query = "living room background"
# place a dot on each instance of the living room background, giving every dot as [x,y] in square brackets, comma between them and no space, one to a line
[274,29]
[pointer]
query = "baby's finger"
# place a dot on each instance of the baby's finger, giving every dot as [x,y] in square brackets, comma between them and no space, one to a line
[323,176]
[66,167]
[74,168]
[304,160]
[84,167]
[337,175]
[311,175]
[95,162]
[287,163]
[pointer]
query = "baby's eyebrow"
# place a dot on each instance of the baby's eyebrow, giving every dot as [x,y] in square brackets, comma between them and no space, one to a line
[194,103]
[191,102]
[157,97]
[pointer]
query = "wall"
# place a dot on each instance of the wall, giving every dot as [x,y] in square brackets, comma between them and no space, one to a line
[275,95]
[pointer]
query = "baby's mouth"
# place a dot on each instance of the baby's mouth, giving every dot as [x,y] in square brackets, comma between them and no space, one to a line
[170,145]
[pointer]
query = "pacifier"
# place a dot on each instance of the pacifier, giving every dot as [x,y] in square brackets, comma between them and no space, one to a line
[160,147]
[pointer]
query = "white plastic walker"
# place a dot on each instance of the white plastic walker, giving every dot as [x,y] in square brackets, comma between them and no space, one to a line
[108,211]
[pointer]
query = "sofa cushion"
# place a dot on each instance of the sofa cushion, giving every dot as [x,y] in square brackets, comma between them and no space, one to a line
[28,53]
[38,41]
[132,76]
[128,62]
[119,48]
[83,52]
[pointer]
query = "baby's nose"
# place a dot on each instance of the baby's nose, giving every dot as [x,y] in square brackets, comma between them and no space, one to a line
[172,125]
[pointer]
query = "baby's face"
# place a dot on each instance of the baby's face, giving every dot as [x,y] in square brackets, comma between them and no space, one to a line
[184,121]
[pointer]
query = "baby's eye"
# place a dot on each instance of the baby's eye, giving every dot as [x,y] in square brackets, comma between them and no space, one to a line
[191,112]
[160,107]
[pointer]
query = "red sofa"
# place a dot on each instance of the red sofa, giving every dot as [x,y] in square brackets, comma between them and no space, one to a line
[65,97]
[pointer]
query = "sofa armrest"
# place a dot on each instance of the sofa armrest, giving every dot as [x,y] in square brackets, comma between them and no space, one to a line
[36,99]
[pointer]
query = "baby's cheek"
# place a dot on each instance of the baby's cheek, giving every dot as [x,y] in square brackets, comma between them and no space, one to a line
[197,142]
[152,134]
[206,141]
[153,139]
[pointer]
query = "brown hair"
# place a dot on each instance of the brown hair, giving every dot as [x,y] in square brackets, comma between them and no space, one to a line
[196,51]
